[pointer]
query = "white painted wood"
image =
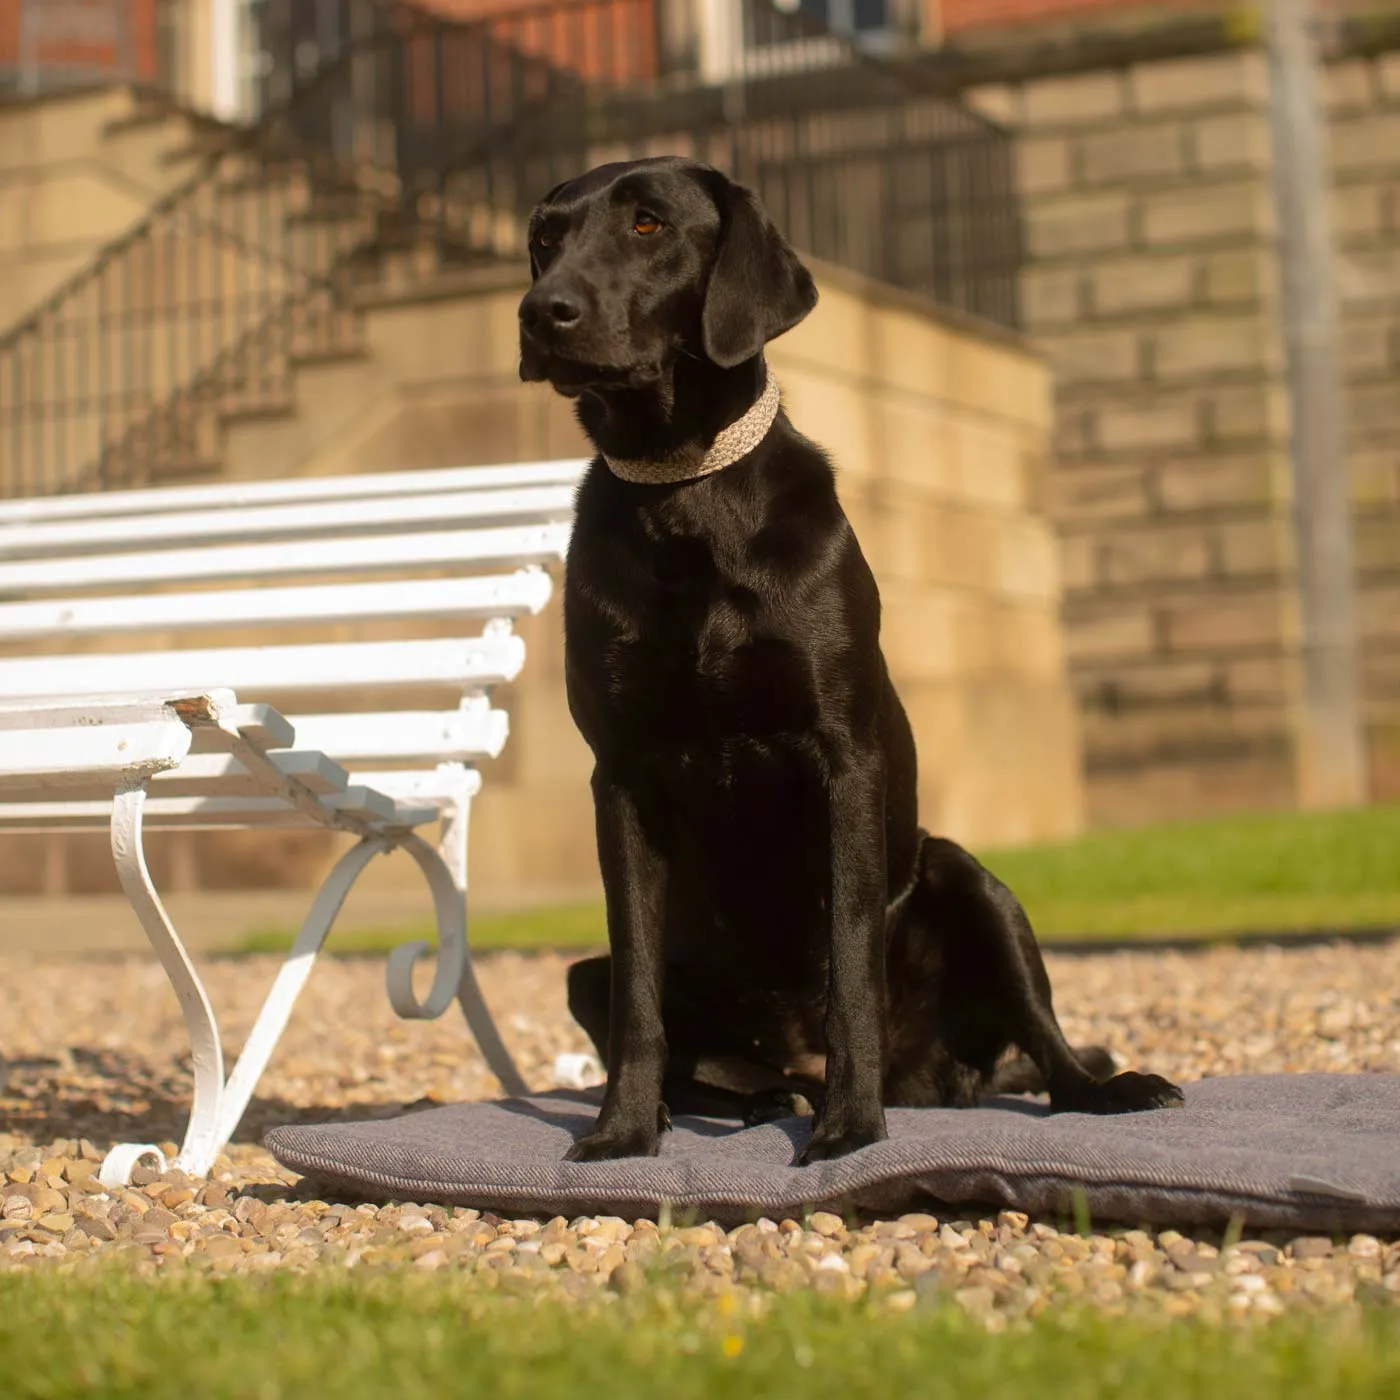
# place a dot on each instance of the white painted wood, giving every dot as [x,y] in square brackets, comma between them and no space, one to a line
[104,755]
[201,813]
[440,785]
[197,775]
[166,733]
[116,709]
[262,725]
[526,505]
[474,663]
[511,595]
[464,550]
[425,736]
[245,494]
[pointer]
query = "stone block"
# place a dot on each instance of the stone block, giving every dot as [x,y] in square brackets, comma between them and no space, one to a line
[1248,778]
[1083,494]
[1043,165]
[1255,549]
[1376,545]
[1239,78]
[1241,277]
[961,547]
[1200,348]
[1093,356]
[1388,76]
[1051,296]
[1128,286]
[1153,554]
[1360,211]
[1131,153]
[1369,142]
[1374,410]
[1378,612]
[1368,346]
[1079,563]
[1026,561]
[999,102]
[934,633]
[1079,225]
[1349,85]
[1008,385]
[1226,622]
[1202,214]
[1096,630]
[1210,483]
[1073,101]
[1149,423]
[1029,641]
[1245,413]
[990,462]
[1260,680]
[1375,476]
[1233,142]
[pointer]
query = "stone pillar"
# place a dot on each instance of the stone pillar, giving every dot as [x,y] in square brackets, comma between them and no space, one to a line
[1151,285]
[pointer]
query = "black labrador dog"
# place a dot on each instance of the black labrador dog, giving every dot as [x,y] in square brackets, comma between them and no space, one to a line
[780,926]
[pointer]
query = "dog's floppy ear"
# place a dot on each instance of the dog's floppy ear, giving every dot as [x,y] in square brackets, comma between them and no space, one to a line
[758,286]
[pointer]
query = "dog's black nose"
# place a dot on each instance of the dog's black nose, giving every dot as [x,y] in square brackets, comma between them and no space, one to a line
[556,311]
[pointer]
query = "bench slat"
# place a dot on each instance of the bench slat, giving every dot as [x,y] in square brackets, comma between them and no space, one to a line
[511,545]
[199,813]
[99,756]
[470,664]
[505,595]
[201,775]
[425,736]
[524,505]
[241,495]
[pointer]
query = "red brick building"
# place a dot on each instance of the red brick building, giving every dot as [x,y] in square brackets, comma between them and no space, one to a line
[76,41]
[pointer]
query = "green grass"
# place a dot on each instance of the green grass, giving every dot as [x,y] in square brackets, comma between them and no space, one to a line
[279,1337]
[1268,873]
[1285,871]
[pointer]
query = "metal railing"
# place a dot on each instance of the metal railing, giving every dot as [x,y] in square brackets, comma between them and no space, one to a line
[387,129]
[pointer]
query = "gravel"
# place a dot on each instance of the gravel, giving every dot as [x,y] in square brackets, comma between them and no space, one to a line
[82,1072]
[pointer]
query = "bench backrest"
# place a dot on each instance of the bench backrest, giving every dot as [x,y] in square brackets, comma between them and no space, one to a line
[142,592]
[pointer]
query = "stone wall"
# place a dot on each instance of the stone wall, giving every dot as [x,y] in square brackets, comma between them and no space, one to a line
[940,431]
[75,173]
[1152,287]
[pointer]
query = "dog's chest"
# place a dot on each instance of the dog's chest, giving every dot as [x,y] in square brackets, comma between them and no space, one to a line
[677,637]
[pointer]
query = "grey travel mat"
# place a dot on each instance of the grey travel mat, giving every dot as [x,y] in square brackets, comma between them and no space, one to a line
[1305,1151]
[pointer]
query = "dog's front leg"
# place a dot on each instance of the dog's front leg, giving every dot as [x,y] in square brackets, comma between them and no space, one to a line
[634,886]
[853,1115]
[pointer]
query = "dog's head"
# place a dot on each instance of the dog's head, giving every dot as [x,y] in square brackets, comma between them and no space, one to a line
[639,262]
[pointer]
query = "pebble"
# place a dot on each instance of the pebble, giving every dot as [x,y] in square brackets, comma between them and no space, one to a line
[1183,1015]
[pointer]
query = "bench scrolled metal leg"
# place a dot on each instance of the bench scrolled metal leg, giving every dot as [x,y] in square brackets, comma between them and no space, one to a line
[445,869]
[201,1144]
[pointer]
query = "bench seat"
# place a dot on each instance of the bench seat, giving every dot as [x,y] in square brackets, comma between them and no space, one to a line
[117,713]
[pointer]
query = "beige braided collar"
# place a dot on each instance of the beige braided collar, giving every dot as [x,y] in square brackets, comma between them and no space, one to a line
[736,441]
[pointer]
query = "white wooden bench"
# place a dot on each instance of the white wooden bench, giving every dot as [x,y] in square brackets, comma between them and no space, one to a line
[186,737]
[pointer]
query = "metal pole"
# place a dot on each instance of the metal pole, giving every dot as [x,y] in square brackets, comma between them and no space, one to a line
[1331,756]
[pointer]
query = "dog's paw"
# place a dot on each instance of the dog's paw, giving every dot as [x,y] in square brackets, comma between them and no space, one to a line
[771,1105]
[825,1146]
[607,1147]
[1129,1092]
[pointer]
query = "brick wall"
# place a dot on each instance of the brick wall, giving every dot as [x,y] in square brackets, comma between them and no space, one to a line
[610,41]
[1151,235]
[97,37]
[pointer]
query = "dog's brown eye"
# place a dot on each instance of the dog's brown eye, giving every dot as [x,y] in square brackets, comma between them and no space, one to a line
[646,225]
[545,240]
